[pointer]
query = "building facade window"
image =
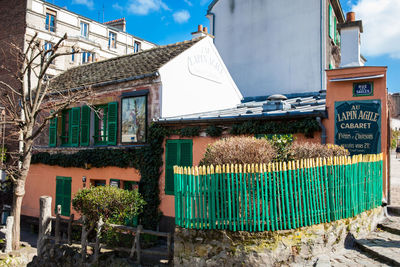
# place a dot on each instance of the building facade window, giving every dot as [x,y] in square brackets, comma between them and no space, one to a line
[84,29]
[50,24]
[88,57]
[73,55]
[112,40]
[178,152]
[63,194]
[136,46]
[332,24]
[48,46]
[133,119]
[75,126]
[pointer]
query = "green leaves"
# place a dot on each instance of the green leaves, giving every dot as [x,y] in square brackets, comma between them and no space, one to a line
[108,202]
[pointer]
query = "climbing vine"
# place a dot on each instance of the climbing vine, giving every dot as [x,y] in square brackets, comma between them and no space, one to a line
[148,158]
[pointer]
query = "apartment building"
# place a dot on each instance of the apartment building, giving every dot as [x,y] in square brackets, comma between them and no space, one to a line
[277,46]
[96,41]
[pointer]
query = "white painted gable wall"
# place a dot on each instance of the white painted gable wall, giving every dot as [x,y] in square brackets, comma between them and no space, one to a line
[197,81]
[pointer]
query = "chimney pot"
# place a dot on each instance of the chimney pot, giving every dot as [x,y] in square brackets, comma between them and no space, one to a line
[351,16]
[200,28]
[205,30]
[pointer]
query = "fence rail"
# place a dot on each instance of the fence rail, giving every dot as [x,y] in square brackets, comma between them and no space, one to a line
[277,196]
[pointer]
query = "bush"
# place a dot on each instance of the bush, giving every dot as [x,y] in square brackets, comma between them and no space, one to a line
[312,150]
[239,150]
[107,202]
[282,144]
[395,135]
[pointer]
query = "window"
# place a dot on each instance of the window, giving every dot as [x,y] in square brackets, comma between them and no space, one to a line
[178,152]
[70,127]
[48,46]
[75,126]
[112,40]
[105,124]
[50,24]
[84,29]
[96,183]
[63,194]
[133,119]
[88,57]
[136,46]
[73,55]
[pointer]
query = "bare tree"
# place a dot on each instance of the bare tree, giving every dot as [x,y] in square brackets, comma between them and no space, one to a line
[30,103]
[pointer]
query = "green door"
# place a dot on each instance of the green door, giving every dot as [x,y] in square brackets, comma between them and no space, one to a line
[131,185]
[63,194]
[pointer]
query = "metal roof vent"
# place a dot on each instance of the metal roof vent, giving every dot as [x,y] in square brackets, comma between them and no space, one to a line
[276,102]
[276,97]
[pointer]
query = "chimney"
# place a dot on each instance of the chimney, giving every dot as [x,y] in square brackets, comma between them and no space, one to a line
[200,32]
[119,24]
[350,42]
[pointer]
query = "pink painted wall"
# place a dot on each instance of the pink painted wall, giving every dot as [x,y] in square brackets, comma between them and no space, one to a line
[42,181]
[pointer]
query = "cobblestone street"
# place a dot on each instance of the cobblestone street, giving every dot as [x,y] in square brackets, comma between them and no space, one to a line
[395,180]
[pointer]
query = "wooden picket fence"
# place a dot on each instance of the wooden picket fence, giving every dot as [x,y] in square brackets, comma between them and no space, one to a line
[277,196]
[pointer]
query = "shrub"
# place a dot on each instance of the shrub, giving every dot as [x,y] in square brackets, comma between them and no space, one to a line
[282,144]
[395,135]
[107,202]
[312,150]
[239,150]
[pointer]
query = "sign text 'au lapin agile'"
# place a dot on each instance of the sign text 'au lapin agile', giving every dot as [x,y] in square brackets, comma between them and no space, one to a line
[358,126]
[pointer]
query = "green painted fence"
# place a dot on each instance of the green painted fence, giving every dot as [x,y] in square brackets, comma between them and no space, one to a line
[277,196]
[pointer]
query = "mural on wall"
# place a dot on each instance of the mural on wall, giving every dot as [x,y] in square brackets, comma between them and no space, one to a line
[358,126]
[133,118]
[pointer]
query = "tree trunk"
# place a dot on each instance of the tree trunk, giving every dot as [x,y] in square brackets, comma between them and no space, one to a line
[19,192]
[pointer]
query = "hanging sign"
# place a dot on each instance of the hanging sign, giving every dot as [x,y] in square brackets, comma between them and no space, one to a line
[358,126]
[363,89]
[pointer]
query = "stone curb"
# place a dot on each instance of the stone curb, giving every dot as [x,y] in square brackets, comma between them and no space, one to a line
[376,254]
[393,210]
[389,229]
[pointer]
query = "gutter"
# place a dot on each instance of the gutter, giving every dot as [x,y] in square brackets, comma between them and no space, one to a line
[318,114]
[132,78]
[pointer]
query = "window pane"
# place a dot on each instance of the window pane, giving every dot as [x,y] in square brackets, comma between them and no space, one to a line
[133,119]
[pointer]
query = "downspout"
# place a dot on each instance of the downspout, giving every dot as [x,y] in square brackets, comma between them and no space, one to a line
[213,24]
[322,43]
[323,129]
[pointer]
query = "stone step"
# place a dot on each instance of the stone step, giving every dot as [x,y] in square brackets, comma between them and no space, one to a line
[393,210]
[391,225]
[382,245]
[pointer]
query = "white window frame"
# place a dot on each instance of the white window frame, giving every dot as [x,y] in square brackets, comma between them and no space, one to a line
[110,44]
[87,29]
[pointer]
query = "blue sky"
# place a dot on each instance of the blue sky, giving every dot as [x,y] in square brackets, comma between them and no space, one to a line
[170,21]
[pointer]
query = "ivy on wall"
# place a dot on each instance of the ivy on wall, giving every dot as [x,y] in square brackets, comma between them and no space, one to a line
[148,159]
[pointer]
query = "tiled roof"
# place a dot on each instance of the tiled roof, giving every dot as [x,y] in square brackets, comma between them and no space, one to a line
[312,105]
[138,65]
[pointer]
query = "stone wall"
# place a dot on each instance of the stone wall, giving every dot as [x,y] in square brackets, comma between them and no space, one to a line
[226,248]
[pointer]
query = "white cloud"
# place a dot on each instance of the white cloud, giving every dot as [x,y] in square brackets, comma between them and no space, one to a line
[88,3]
[144,7]
[116,6]
[181,16]
[381,25]
[188,2]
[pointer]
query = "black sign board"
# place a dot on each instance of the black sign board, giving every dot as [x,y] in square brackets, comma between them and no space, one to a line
[363,89]
[358,126]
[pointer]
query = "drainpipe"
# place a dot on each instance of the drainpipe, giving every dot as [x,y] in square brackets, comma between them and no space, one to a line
[322,42]
[323,134]
[213,24]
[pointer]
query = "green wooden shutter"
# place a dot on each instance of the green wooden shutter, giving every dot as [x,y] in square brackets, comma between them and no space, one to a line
[63,195]
[172,158]
[66,207]
[335,30]
[85,126]
[112,118]
[74,121]
[53,132]
[331,34]
[186,156]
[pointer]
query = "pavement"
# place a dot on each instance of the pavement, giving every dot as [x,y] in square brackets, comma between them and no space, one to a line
[394,179]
